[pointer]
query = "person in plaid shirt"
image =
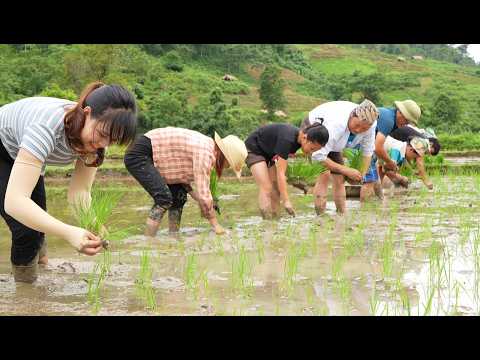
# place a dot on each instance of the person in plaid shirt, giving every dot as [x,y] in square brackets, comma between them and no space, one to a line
[167,161]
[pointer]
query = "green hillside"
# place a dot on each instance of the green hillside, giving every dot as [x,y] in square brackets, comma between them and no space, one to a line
[182,85]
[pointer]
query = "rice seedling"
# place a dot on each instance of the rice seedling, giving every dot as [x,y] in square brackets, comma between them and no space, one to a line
[290,270]
[214,190]
[260,247]
[386,253]
[94,217]
[218,243]
[373,300]
[354,158]
[312,237]
[242,273]
[190,274]
[343,288]
[337,265]
[400,289]
[303,173]
[94,284]
[144,281]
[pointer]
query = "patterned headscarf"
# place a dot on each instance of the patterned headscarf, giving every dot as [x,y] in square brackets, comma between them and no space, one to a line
[367,111]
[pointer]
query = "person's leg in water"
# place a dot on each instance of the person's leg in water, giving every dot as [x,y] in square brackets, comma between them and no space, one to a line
[265,188]
[320,192]
[139,163]
[179,195]
[275,197]
[371,184]
[26,242]
[339,193]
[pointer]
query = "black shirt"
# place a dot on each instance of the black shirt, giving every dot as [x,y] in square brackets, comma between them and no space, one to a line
[274,139]
[404,132]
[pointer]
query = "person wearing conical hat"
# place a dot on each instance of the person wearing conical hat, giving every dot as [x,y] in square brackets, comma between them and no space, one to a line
[405,132]
[400,151]
[167,161]
[404,113]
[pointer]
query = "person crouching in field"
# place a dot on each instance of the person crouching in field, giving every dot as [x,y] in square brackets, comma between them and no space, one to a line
[40,131]
[406,132]
[346,122]
[166,161]
[268,149]
[399,151]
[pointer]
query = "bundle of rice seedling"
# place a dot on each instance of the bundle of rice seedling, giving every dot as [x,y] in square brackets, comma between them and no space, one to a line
[95,217]
[214,190]
[354,158]
[303,173]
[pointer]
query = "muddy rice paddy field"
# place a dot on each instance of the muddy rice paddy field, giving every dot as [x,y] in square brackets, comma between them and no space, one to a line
[417,252]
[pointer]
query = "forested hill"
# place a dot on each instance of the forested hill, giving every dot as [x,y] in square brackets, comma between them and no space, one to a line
[183,85]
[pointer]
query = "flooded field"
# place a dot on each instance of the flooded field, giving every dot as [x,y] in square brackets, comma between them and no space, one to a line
[417,252]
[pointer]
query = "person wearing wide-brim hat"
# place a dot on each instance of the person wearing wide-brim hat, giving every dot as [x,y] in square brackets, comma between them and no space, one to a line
[167,161]
[403,113]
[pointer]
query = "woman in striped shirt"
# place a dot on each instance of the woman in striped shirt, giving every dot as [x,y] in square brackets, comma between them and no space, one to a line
[40,131]
[166,161]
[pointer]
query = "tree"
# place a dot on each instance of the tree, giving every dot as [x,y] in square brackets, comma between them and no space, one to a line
[446,113]
[370,85]
[271,90]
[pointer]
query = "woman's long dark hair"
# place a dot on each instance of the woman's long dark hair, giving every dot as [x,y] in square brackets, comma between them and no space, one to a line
[114,109]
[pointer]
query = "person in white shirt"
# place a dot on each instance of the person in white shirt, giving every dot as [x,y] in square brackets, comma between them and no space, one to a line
[348,124]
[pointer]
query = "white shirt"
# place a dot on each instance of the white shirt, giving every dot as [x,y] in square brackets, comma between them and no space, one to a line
[335,115]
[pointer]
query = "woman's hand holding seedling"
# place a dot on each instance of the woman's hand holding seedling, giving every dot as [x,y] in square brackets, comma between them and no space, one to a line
[84,241]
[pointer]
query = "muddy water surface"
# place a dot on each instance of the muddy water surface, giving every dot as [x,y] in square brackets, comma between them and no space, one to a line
[416,252]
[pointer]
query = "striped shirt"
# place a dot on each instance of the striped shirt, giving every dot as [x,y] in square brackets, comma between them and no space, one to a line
[184,156]
[36,125]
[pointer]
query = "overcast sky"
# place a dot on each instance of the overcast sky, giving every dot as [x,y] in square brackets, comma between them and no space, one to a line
[474,51]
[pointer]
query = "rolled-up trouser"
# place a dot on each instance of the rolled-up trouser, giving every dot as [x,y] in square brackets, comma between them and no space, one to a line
[372,174]
[26,242]
[139,163]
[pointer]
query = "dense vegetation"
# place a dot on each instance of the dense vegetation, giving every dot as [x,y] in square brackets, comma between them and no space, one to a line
[182,85]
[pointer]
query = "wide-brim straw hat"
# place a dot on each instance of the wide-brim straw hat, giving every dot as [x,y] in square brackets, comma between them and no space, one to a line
[234,150]
[410,110]
[420,145]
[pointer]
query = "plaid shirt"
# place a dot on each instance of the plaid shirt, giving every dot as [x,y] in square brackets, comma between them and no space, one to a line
[184,156]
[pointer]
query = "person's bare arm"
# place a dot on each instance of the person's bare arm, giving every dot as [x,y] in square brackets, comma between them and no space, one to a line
[353,174]
[18,204]
[382,153]
[79,191]
[281,169]
[422,173]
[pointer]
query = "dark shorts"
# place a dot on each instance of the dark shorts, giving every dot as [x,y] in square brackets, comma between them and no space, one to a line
[139,163]
[253,159]
[336,157]
[26,242]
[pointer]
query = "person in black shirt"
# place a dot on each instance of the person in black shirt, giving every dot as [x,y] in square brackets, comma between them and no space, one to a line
[271,145]
[406,132]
